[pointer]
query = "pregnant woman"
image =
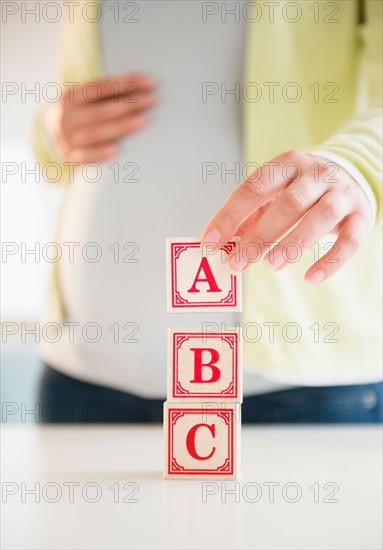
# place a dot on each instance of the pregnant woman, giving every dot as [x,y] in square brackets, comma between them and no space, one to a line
[169,102]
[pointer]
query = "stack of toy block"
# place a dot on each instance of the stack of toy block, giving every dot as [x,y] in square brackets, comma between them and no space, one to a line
[204,394]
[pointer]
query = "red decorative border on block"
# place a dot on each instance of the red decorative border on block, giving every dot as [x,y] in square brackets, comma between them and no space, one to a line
[178,391]
[174,468]
[178,301]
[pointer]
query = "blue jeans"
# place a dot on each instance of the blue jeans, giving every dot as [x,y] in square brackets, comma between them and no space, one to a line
[64,399]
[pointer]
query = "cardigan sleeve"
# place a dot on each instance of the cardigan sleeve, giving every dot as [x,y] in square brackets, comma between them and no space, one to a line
[79,61]
[55,169]
[359,141]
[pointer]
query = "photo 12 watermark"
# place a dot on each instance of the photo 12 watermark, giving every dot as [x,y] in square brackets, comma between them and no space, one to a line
[29,11]
[53,492]
[270,12]
[270,492]
[270,92]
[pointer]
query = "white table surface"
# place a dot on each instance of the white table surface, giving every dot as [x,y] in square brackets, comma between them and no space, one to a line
[172,514]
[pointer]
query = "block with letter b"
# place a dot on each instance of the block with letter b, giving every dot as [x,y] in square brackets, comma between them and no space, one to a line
[201,440]
[200,280]
[204,366]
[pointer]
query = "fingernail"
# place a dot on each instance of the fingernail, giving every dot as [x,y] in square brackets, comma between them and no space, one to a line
[149,81]
[148,99]
[275,259]
[237,264]
[111,149]
[140,120]
[212,237]
[74,156]
[316,277]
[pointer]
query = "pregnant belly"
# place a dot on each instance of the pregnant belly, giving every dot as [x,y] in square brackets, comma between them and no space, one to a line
[121,211]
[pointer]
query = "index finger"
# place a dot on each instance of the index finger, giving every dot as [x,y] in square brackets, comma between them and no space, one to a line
[126,85]
[260,187]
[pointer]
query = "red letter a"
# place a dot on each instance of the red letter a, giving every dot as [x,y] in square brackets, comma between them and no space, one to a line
[209,278]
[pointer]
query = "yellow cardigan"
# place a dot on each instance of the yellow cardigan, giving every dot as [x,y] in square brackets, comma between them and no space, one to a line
[325,68]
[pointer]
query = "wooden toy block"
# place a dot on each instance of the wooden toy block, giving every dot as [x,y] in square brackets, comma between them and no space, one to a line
[200,280]
[201,440]
[204,366]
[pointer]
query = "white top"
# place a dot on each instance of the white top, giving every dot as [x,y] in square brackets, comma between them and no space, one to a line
[170,199]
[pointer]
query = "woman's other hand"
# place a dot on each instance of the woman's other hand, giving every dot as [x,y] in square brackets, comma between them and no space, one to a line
[90,118]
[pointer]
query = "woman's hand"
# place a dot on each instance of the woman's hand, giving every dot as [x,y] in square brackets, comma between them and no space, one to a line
[298,198]
[89,119]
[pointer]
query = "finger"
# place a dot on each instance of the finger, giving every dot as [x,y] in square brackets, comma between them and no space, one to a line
[288,208]
[351,235]
[235,259]
[130,84]
[326,214]
[255,191]
[101,111]
[252,220]
[111,130]
[93,154]
[319,221]
[259,233]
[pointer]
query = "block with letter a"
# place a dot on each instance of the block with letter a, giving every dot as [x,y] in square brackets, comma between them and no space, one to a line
[201,280]
[202,440]
[202,413]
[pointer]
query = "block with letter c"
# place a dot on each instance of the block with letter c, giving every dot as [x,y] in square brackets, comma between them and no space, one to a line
[201,440]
